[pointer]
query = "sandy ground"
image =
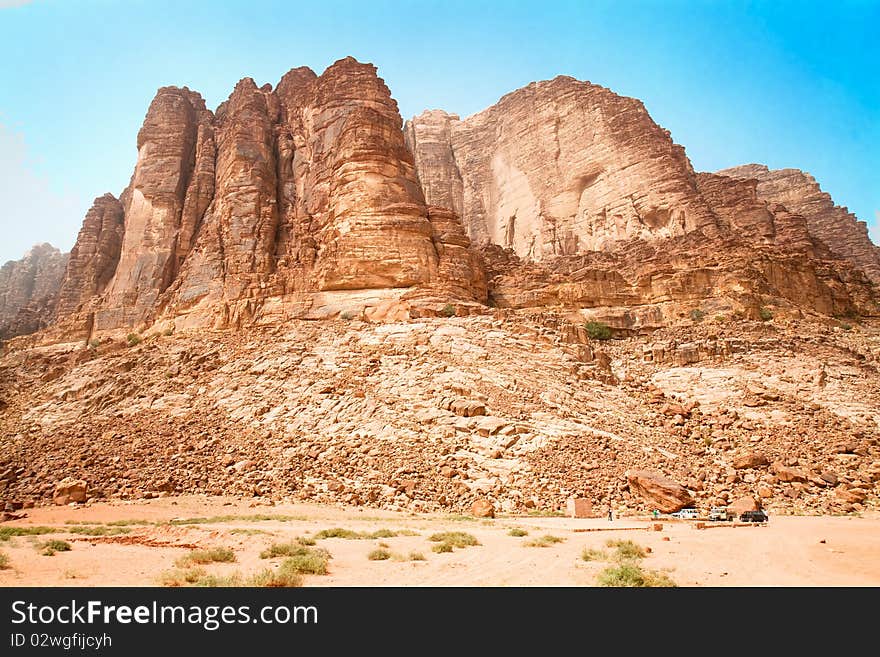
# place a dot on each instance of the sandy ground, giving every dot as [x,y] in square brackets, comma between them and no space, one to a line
[788,551]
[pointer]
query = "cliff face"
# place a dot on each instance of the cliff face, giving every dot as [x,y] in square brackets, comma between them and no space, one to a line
[94,257]
[313,200]
[285,194]
[840,230]
[29,290]
[557,168]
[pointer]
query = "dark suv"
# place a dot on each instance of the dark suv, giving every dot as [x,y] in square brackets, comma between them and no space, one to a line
[753,516]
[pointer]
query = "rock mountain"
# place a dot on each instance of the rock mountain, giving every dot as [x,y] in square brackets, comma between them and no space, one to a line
[313,200]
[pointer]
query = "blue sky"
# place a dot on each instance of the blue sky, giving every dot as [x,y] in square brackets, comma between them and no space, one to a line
[789,84]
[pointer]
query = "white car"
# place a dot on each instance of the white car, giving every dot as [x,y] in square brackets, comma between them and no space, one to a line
[686,514]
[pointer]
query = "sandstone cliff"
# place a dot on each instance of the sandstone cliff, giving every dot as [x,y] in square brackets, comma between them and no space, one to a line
[557,168]
[29,289]
[839,229]
[312,199]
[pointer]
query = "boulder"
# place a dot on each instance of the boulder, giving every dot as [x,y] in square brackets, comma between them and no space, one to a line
[658,491]
[749,459]
[482,508]
[70,490]
[743,504]
[788,474]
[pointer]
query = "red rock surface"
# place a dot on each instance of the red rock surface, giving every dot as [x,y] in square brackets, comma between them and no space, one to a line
[29,289]
[839,229]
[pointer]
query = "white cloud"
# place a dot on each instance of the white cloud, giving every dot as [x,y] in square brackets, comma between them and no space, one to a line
[14,3]
[31,211]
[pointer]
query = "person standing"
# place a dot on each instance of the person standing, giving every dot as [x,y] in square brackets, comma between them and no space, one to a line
[610,515]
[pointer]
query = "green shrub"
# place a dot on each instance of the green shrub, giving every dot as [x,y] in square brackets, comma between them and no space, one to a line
[698,315]
[8,532]
[416,556]
[53,546]
[312,563]
[455,539]
[447,311]
[765,314]
[627,549]
[338,532]
[4,561]
[544,541]
[281,578]
[631,575]
[379,554]
[516,531]
[94,344]
[591,554]
[347,315]
[598,330]
[442,547]
[211,555]
[133,339]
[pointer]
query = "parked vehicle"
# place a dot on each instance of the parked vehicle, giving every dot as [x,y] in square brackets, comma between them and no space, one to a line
[686,514]
[720,513]
[753,516]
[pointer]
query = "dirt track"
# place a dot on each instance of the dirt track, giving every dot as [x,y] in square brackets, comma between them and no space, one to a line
[787,552]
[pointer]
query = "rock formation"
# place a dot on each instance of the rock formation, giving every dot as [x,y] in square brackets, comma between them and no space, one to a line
[29,290]
[557,168]
[94,257]
[312,199]
[839,229]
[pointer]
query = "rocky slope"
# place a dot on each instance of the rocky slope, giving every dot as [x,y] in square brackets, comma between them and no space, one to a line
[522,409]
[845,235]
[29,290]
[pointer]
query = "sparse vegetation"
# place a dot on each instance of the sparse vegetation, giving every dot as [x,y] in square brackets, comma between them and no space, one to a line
[379,554]
[339,532]
[8,532]
[4,561]
[448,310]
[94,344]
[765,314]
[598,330]
[305,540]
[55,545]
[211,555]
[347,315]
[300,558]
[627,549]
[416,556]
[845,326]
[698,315]
[442,547]
[248,532]
[287,576]
[592,554]
[630,574]
[516,531]
[455,539]
[97,530]
[183,576]
[133,339]
[168,331]
[544,541]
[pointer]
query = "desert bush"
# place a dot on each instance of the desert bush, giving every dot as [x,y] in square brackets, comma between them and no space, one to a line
[765,314]
[455,539]
[284,577]
[55,545]
[211,555]
[4,561]
[591,554]
[379,554]
[442,547]
[698,315]
[544,541]
[631,575]
[516,531]
[447,311]
[133,339]
[598,330]
[416,556]
[627,549]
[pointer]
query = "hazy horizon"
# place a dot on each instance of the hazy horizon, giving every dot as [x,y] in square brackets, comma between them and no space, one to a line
[789,85]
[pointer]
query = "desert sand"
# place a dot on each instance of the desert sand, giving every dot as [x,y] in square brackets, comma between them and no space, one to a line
[787,551]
